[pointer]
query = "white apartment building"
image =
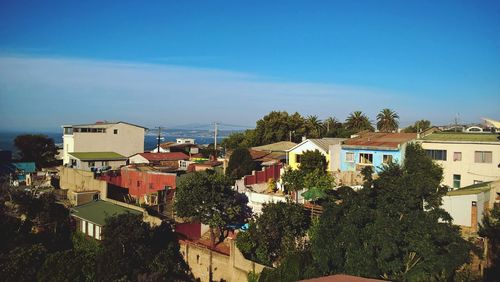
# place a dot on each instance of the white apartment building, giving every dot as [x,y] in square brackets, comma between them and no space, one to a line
[119,137]
[466,158]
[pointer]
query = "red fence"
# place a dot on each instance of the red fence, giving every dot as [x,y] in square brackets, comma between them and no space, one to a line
[263,176]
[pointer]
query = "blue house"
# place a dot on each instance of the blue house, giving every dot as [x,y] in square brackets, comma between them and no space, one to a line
[373,149]
[24,168]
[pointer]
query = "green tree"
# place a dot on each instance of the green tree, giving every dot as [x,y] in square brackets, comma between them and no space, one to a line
[22,263]
[387,120]
[209,198]
[36,148]
[277,126]
[490,229]
[319,179]
[240,164]
[312,160]
[314,127]
[418,126]
[293,179]
[275,233]
[131,249]
[330,124]
[357,121]
[385,231]
[239,140]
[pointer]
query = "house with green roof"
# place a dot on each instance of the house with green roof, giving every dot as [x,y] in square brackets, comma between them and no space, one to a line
[466,158]
[91,217]
[467,205]
[96,160]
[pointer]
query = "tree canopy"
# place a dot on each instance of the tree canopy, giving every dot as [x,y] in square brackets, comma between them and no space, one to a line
[36,148]
[358,121]
[392,228]
[418,126]
[274,233]
[313,160]
[490,229]
[240,164]
[209,198]
[387,120]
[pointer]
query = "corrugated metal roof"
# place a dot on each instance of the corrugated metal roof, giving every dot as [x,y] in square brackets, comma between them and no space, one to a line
[380,139]
[278,146]
[324,143]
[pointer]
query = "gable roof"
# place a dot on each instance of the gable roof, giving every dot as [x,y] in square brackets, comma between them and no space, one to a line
[323,143]
[379,140]
[173,156]
[97,156]
[98,211]
[278,146]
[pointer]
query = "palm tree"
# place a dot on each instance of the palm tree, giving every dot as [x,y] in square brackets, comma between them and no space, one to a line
[330,123]
[358,121]
[387,120]
[314,126]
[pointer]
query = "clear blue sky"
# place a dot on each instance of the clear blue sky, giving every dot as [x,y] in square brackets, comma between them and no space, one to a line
[181,62]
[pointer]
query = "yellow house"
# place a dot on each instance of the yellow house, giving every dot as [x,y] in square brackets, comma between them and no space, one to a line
[322,145]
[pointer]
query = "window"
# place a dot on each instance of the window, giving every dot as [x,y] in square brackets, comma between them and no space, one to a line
[115,131]
[91,164]
[483,157]
[387,159]
[104,163]
[456,180]
[84,227]
[138,183]
[457,156]
[438,155]
[68,130]
[349,157]
[297,158]
[91,229]
[365,158]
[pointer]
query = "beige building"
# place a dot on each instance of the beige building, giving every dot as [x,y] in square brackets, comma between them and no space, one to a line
[120,137]
[466,158]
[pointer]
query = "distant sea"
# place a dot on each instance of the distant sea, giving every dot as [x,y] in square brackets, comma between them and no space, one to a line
[150,141]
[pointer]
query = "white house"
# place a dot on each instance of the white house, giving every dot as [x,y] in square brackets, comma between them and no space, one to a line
[466,158]
[120,137]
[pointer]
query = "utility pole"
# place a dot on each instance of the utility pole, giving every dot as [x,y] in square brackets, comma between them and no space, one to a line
[215,140]
[159,138]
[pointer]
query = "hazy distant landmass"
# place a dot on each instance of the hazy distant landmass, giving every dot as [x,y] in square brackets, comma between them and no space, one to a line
[150,140]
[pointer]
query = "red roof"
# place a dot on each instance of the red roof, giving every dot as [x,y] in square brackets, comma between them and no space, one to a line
[380,139]
[175,156]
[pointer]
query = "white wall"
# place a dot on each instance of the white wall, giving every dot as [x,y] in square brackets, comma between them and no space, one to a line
[128,141]
[138,159]
[460,208]
[468,170]
[256,200]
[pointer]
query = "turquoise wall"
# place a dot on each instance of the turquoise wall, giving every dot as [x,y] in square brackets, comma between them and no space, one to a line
[397,156]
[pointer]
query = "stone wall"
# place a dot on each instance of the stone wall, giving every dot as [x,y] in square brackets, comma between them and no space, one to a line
[232,267]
